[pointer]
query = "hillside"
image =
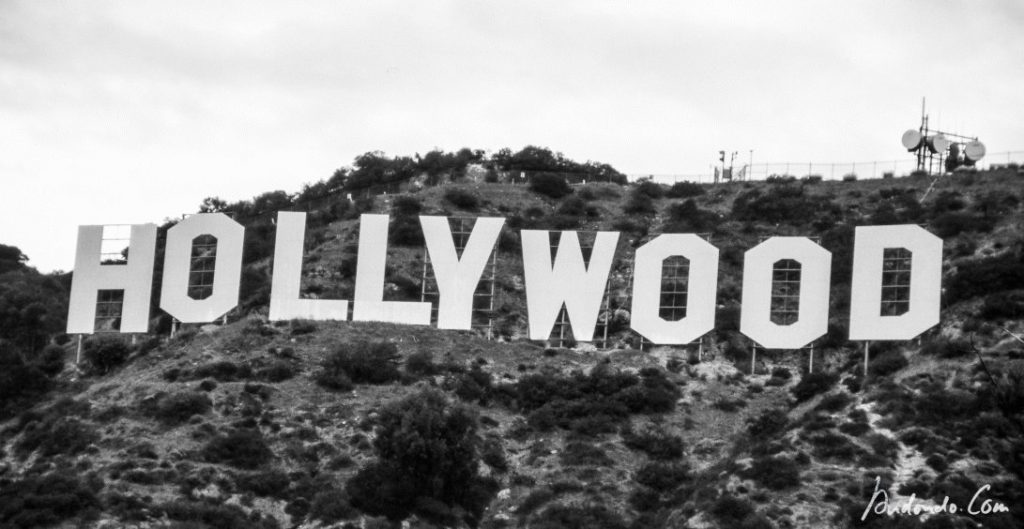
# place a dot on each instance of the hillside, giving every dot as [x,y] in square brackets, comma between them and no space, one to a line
[348,424]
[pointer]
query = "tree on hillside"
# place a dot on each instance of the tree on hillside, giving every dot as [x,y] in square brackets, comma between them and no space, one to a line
[376,168]
[437,163]
[541,159]
[21,378]
[11,258]
[428,454]
[33,306]
[212,205]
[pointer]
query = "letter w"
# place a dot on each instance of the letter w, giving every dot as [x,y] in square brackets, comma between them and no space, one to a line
[569,281]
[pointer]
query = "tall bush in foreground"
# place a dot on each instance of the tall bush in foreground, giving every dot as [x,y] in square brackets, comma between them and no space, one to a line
[428,455]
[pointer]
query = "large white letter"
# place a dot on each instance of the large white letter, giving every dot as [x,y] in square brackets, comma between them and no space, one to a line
[135,278]
[227,276]
[285,303]
[866,320]
[457,278]
[369,302]
[812,318]
[702,284]
[569,281]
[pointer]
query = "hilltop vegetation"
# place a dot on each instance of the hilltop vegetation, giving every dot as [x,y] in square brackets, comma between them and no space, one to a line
[342,424]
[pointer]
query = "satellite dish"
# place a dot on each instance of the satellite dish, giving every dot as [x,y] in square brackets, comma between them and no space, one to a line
[975,150]
[911,140]
[938,143]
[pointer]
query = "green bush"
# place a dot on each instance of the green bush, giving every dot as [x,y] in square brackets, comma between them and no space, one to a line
[577,208]
[629,226]
[1003,305]
[473,385]
[684,190]
[731,511]
[55,435]
[663,477]
[198,515]
[362,363]
[579,517]
[330,506]
[812,384]
[887,363]
[832,445]
[336,380]
[241,448]
[462,199]
[46,501]
[775,473]
[223,371]
[588,418]
[427,462]
[591,403]
[639,203]
[493,455]
[534,500]
[406,231]
[782,204]
[421,363]
[768,424]
[835,402]
[950,225]
[105,353]
[947,201]
[297,327]
[657,444]
[981,277]
[687,217]
[51,359]
[268,483]
[649,188]
[20,380]
[550,185]
[729,405]
[179,407]
[278,371]
[654,394]
[579,454]
[406,206]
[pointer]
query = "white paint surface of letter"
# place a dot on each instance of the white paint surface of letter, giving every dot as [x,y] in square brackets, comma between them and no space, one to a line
[370,265]
[457,278]
[702,285]
[570,281]
[815,271]
[866,321]
[227,276]
[134,277]
[285,303]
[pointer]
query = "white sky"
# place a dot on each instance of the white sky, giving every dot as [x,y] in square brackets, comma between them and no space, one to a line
[126,112]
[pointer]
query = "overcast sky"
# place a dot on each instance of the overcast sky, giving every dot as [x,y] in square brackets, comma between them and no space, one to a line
[129,112]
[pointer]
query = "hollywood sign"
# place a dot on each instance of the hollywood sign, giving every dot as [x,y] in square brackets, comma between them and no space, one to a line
[550,282]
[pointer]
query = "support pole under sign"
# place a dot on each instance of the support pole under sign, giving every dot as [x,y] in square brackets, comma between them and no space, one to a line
[866,347]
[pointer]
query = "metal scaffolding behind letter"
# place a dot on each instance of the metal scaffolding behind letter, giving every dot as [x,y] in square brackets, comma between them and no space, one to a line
[483,298]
